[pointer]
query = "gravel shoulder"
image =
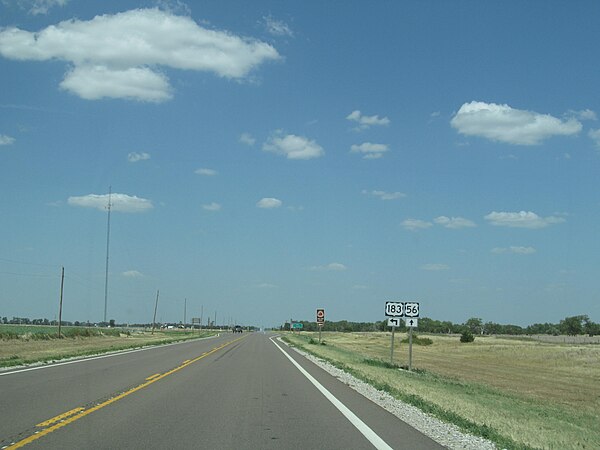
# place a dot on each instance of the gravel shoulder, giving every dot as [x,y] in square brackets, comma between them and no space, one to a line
[445,434]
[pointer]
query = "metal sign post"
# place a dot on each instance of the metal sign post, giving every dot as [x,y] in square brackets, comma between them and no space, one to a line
[408,310]
[393,322]
[320,321]
[392,351]
[410,349]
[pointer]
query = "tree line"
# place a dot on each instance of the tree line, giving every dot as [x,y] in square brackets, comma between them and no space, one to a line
[572,326]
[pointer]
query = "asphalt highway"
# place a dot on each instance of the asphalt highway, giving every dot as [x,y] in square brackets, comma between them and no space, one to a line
[235,391]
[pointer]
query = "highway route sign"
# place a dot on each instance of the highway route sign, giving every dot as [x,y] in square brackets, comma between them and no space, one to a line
[411,323]
[394,309]
[297,325]
[411,309]
[320,316]
[393,321]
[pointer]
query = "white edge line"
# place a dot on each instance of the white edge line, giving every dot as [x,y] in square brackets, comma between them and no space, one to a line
[92,358]
[367,432]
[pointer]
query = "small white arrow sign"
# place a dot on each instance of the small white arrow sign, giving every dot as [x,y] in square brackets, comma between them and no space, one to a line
[393,321]
[412,323]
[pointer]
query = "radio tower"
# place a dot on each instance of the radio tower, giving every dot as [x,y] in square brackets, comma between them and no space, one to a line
[107,249]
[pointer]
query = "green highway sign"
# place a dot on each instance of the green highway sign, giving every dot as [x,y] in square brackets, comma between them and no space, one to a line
[297,325]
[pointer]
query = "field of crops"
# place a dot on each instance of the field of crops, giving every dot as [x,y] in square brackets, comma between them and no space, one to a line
[521,393]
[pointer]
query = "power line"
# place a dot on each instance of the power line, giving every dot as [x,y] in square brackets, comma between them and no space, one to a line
[33,275]
[29,263]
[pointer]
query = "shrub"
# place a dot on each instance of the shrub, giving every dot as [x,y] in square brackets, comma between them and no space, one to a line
[418,340]
[467,336]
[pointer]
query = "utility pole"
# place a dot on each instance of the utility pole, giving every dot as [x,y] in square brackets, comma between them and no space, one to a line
[215,319]
[201,315]
[184,312]
[62,283]
[107,250]
[154,319]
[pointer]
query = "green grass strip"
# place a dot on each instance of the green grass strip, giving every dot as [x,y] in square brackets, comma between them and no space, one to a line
[437,411]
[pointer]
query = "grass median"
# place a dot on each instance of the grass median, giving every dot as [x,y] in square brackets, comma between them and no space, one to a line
[22,345]
[520,394]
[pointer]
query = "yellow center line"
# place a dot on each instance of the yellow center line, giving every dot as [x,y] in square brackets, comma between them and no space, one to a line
[82,413]
[59,417]
[152,376]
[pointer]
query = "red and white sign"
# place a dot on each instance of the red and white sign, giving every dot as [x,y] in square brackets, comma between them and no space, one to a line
[320,316]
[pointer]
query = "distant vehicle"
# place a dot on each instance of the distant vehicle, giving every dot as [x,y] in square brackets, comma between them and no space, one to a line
[237,329]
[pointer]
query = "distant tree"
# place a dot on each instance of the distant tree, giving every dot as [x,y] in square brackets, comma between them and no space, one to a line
[591,328]
[111,323]
[474,325]
[573,325]
[492,328]
[512,329]
[539,328]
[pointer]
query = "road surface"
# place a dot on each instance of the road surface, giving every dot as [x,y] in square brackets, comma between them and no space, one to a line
[228,392]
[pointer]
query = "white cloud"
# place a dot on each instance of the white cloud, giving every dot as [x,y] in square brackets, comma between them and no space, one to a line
[277,27]
[454,222]
[331,267]
[174,7]
[132,274]
[521,219]
[133,83]
[119,202]
[434,267]
[269,203]
[212,207]
[119,56]
[369,150]
[206,172]
[585,114]
[293,147]
[415,224]
[266,286]
[595,136]
[514,126]
[134,157]
[514,249]
[6,140]
[385,195]
[246,138]
[365,122]
[42,6]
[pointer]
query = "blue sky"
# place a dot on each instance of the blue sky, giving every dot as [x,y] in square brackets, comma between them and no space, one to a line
[270,158]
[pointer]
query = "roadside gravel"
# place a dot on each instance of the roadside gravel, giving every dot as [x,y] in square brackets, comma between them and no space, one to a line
[445,434]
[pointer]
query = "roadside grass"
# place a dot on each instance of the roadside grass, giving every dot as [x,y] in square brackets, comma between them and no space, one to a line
[46,332]
[518,417]
[43,346]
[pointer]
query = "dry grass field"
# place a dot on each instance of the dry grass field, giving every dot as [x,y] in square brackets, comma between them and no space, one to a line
[535,394]
[25,351]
